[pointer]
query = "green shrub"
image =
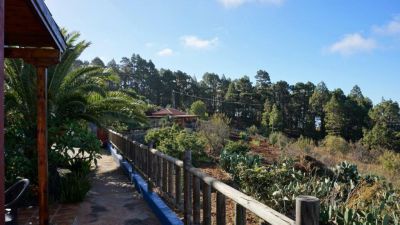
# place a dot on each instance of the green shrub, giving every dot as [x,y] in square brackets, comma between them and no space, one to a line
[253,130]
[346,172]
[304,144]
[234,162]
[216,132]
[336,144]
[390,160]
[73,187]
[237,147]
[244,136]
[278,139]
[174,141]
[199,108]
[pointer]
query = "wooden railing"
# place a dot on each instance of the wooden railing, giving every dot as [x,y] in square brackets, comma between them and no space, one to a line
[188,189]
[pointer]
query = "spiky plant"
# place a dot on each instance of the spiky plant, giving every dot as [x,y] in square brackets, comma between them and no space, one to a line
[74,93]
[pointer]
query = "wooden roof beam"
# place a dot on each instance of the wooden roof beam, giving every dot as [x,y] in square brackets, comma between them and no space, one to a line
[35,56]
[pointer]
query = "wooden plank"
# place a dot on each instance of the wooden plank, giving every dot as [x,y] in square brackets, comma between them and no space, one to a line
[178,187]
[35,56]
[206,204]
[2,175]
[164,176]
[221,209]
[159,172]
[196,200]
[187,196]
[170,179]
[264,212]
[42,145]
[150,169]
[240,216]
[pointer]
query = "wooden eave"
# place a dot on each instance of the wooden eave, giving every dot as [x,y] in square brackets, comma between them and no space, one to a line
[29,24]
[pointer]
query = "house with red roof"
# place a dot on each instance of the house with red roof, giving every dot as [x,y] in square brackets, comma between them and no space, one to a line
[171,115]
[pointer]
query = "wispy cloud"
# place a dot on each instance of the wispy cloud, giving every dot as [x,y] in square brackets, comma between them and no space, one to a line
[353,43]
[236,3]
[165,52]
[391,28]
[198,43]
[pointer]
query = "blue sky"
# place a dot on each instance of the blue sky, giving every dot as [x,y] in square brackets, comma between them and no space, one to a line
[342,43]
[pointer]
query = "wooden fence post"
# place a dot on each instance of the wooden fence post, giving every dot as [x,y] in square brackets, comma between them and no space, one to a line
[149,167]
[240,216]
[187,183]
[307,210]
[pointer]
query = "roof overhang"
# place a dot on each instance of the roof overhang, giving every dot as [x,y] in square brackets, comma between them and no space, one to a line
[29,26]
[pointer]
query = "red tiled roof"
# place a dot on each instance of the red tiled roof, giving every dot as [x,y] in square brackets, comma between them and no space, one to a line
[169,112]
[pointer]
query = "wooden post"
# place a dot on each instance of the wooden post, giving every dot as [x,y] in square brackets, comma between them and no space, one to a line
[206,204]
[149,169]
[41,73]
[307,210]
[221,209]
[196,200]
[178,189]
[164,175]
[171,179]
[2,109]
[240,216]
[187,198]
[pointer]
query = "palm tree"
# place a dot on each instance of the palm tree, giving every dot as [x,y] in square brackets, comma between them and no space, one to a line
[74,93]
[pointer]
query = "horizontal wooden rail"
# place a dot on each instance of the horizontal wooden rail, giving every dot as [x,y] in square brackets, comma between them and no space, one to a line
[166,176]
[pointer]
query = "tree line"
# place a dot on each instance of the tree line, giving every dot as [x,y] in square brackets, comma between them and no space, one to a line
[303,109]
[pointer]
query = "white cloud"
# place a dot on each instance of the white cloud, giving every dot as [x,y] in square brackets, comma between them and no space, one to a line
[196,42]
[165,52]
[391,28]
[236,3]
[353,43]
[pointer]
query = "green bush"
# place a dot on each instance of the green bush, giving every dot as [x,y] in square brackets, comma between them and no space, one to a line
[304,144]
[74,146]
[253,130]
[336,144]
[234,162]
[278,139]
[74,187]
[244,136]
[237,147]
[174,141]
[390,160]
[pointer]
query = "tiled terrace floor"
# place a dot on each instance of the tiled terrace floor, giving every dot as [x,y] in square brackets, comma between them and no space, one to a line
[112,200]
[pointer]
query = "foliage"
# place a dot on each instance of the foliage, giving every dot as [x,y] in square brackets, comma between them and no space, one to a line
[199,108]
[336,144]
[78,93]
[233,162]
[74,187]
[174,141]
[252,130]
[275,119]
[390,161]
[216,131]
[346,198]
[386,130]
[74,147]
[304,144]
[278,139]
[244,136]
[236,147]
